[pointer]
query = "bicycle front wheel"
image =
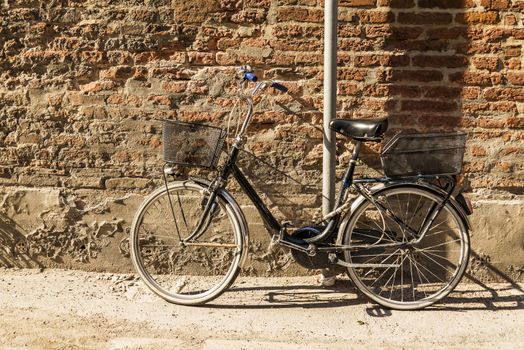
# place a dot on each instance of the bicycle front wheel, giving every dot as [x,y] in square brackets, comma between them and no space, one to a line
[393,270]
[180,271]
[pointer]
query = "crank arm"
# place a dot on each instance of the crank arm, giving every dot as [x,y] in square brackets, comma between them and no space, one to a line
[346,264]
[356,247]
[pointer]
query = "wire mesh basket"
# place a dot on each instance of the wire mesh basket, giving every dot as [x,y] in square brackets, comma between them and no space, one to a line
[424,154]
[192,144]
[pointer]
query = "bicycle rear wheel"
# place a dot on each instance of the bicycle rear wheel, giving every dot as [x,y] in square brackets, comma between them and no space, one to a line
[181,272]
[406,276]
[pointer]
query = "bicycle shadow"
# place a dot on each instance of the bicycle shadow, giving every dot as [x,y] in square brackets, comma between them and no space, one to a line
[295,296]
[14,247]
[505,297]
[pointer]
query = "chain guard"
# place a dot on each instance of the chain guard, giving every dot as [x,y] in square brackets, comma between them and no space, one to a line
[320,260]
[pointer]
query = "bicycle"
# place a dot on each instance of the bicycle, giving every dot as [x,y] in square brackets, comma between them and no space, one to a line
[404,240]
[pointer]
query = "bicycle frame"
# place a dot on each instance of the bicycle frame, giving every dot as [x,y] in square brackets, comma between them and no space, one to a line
[332,219]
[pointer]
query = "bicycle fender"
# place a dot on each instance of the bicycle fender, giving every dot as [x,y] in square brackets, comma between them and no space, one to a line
[380,187]
[229,199]
[437,190]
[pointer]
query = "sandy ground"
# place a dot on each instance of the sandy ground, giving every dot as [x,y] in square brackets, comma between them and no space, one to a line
[56,309]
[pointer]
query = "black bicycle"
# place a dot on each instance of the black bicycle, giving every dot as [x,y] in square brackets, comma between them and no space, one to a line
[404,239]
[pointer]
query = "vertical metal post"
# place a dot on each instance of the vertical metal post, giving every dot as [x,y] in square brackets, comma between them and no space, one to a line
[330,103]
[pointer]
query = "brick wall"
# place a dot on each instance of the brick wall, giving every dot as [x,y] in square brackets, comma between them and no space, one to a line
[84,84]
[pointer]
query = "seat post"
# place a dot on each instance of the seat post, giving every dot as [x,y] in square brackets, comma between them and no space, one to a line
[348,177]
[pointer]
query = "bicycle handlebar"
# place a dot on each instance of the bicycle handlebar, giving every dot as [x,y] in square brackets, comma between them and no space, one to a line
[279,86]
[250,76]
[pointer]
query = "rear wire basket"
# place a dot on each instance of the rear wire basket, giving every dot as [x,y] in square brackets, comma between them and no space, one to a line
[424,154]
[192,144]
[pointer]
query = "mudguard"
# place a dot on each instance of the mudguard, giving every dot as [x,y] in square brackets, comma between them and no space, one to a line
[229,199]
[380,187]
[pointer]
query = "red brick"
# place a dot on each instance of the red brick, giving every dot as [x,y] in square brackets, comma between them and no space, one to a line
[516,78]
[474,167]
[376,17]
[299,14]
[405,32]
[201,58]
[174,86]
[119,72]
[428,105]
[504,167]
[377,90]
[195,11]
[98,86]
[352,74]
[455,61]
[470,92]
[378,31]
[512,63]
[514,51]
[490,123]
[510,20]
[397,3]
[478,151]
[518,33]
[405,91]
[473,78]
[442,92]
[515,122]
[424,18]
[381,60]
[504,93]
[447,33]
[472,18]
[442,4]
[503,106]
[489,63]
[357,3]
[499,4]
[416,75]
[347,88]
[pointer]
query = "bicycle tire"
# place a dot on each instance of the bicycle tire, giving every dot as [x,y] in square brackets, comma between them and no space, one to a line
[186,274]
[432,268]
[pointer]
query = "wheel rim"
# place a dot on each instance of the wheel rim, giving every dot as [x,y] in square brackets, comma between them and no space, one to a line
[189,274]
[415,275]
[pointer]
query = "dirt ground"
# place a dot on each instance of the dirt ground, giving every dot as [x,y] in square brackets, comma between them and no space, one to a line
[57,309]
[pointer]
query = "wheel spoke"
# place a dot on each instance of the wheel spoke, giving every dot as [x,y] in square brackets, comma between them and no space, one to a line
[411,275]
[441,244]
[419,275]
[195,272]
[182,212]
[431,268]
[389,279]
[436,262]
[385,269]
[425,268]
[382,232]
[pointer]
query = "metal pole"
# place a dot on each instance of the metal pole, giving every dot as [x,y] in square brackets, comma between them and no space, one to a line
[330,104]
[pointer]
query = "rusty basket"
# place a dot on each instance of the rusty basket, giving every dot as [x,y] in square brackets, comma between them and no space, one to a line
[424,154]
[192,144]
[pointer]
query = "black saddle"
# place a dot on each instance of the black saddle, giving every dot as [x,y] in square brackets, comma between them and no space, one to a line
[360,129]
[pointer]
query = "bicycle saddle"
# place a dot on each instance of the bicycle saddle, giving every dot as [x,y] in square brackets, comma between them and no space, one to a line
[360,129]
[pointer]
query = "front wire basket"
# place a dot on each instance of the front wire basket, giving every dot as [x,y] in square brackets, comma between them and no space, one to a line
[424,154]
[192,144]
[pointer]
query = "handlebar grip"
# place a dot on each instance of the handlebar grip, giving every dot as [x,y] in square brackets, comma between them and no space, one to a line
[250,76]
[279,87]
